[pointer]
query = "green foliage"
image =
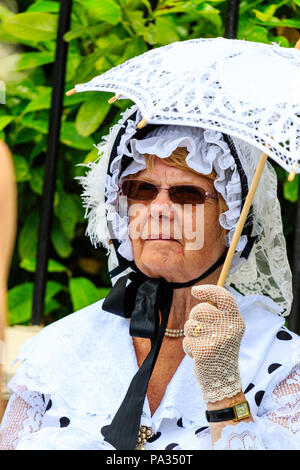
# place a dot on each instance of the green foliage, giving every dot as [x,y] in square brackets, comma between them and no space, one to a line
[83,292]
[103,34]
[20,301]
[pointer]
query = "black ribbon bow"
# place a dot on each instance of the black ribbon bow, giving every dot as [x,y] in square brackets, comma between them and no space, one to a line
[147,301]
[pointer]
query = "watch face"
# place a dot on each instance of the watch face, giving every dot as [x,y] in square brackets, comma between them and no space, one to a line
[241,410]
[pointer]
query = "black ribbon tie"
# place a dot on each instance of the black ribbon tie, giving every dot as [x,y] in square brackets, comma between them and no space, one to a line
[148,302]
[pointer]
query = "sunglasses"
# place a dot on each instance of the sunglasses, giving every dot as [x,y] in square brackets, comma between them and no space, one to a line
[180,194]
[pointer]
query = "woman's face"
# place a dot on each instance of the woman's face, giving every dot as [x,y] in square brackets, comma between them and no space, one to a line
[174,241]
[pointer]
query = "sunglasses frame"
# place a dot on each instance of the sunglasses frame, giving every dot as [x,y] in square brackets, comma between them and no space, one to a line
[158,188]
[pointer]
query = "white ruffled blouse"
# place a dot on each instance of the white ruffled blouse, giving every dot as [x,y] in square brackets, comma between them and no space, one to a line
[76,371]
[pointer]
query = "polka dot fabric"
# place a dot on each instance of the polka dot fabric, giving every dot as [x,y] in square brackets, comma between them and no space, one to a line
[76,418]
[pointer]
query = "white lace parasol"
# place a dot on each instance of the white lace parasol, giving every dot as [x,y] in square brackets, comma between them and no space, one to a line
[245,89]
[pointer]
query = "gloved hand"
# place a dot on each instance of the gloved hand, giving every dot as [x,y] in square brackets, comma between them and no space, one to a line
[213,335]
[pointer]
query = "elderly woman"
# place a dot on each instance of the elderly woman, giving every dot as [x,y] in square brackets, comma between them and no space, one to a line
[158,364]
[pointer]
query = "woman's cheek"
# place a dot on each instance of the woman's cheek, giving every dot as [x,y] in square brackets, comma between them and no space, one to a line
[137,220]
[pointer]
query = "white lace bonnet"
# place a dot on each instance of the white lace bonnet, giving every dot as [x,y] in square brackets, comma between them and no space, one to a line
[264,271]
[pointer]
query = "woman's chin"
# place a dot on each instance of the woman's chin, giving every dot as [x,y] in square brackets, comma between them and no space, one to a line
[161,258]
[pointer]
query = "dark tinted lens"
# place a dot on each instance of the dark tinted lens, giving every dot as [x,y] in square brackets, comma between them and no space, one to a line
[139,190]
[187,195]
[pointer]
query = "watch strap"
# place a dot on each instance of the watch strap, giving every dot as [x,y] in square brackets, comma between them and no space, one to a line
[236,412]
[216,416]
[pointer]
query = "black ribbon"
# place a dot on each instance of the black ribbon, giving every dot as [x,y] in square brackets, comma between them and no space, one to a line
[147,301]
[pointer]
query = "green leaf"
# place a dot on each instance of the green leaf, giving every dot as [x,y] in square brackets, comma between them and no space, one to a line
[267,14]
[91,114]
[209,13]
[22,170]
[66,211]
[41,101]
[4,121]
[69,136]
[250,31]
[137,21]
[25,90]
[24,135]
[44,6]
[90,31]
[36,124]
[91,156]
[147,5]
[29,235]
[38,148]
[79,208]
[111,43]
[29,60]
[86,69]
[246,5]
[136,47]
[290,189]
[150,34]
[166,33]
[60,241]
[51,306]
[75,33]
[20,303]
[53,288]
[32,26]
[84,292]
[276,22]
[106,10]
[74,60]
[37,180]
[74,99]
[8,38]
[53,265]
[281,40]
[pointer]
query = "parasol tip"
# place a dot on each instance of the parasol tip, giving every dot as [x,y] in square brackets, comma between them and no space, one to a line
[142,123]
[71,92]
[292,175]
[113,99]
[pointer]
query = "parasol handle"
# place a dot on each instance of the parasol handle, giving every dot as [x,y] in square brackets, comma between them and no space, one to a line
[242,219]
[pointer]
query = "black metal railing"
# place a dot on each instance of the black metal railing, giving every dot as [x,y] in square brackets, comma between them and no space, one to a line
[46,214]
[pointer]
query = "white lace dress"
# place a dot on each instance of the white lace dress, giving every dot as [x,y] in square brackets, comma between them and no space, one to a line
[76,371]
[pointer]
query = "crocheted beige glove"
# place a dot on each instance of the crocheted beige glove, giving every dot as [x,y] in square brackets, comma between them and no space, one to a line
[213,335]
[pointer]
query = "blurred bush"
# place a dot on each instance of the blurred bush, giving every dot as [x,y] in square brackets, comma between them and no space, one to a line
[103,34]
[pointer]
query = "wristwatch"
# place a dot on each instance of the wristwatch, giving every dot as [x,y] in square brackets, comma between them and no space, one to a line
[236,412]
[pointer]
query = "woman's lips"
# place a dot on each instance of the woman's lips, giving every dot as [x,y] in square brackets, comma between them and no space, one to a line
[162,239]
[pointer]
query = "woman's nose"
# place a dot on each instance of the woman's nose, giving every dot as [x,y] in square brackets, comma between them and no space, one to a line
[162,204]
[162,197]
